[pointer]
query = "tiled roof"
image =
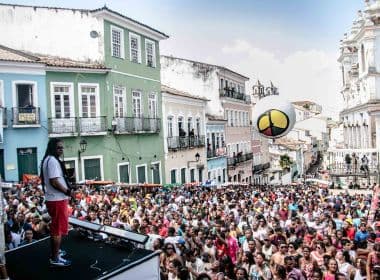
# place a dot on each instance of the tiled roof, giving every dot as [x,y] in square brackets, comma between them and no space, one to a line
[55,61]
[8,54]
[181,93]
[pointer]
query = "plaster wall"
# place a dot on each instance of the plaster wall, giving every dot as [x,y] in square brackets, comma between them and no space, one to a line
[58,32]
[196,78]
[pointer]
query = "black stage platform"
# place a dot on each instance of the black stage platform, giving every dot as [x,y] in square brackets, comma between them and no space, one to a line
[91,260]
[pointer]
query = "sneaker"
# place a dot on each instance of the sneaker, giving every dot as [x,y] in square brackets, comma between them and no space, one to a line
[62,253]
[61,262]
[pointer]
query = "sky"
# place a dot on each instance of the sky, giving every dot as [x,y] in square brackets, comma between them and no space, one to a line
[293,43]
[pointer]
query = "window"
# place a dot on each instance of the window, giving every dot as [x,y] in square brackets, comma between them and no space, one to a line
[189,124]
[71,168]
[150,52]
[198,124]
[200,175]
[136,97]
[181,131]
[124,172]
[119,101]
[93,168]
[141,174]
[135,54]
[173,176]
[156,176]
[117,41]
[170,126]
[183,175]
[89,96]
[26,94]
[62,100]
[192,175]
[152,105]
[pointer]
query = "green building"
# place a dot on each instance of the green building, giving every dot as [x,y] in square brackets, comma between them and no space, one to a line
[103,90]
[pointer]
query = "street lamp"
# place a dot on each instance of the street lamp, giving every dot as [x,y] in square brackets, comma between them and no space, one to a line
[197,157]
[82,147]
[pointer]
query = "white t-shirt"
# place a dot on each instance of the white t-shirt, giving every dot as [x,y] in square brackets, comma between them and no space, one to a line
[52,169]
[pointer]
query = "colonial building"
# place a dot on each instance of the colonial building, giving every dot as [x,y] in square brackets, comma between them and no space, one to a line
[228,100]
[216,149]
[360,65]
[114,107]
[23,134]
[184,133]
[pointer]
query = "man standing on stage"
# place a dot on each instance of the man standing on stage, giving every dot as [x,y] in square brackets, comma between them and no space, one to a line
[57,192]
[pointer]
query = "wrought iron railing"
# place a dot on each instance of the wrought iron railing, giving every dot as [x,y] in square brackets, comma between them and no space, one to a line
[184,142]
[93,125]
[231,93]
[138,125]
[239,158]
[218,152]
[26,115]
[62,125]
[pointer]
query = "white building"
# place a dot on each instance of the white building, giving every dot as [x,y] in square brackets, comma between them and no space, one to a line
[225,90]
[184,135]
[360,65]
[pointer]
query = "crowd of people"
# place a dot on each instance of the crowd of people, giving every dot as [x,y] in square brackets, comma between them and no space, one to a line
[231,232]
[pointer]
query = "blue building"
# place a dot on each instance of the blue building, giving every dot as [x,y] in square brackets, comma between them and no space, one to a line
[216,149]
[23,104]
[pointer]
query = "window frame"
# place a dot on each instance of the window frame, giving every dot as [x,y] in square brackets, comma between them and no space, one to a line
[129,170]
[96,98]
[159,170]
[71,97]
[124,102]
[138,37]
[122,54]
[154,59]
[83,158]
[14,92]
[146,173]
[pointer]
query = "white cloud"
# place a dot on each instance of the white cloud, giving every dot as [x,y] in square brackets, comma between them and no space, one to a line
[302,75]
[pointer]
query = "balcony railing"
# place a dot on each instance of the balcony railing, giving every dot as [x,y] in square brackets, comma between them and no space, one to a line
[92,125]
[184,142]
[62,126]
[138,125]
[239,158]
[218,152]
[231,93]
[5,117]
[26,116]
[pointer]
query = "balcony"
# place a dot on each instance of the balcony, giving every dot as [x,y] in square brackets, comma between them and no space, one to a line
[26,116]
[62,127]
[93,126]
[130,125]
[185,142]
[239,158]
[5,117]
[231,93]
[218,152]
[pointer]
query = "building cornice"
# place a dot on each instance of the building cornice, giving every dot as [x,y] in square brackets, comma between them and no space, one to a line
[76,70]
[129,23]
[371,106]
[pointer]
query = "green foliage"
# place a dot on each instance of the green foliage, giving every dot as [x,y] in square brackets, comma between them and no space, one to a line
[285,162]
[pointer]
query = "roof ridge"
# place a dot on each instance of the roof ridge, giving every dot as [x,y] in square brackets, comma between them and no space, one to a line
[22,53]
[206,63]
[45,7]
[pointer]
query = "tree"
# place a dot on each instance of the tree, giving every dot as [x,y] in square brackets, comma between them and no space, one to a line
[285,162]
